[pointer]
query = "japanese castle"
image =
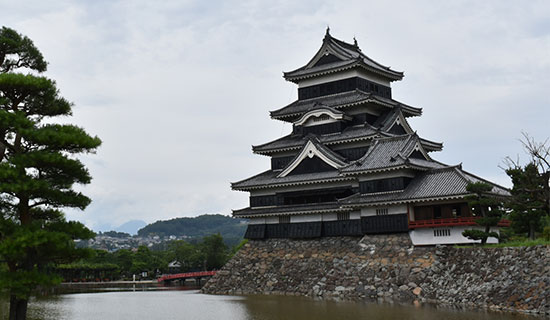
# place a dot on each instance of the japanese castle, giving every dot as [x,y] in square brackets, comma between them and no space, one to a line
[352,164]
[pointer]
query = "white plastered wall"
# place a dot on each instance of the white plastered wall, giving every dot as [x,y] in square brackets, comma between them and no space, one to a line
[426,236]
[395,209]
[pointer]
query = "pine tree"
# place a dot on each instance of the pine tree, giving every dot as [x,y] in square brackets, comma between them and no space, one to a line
[485,206]
[529,199]
[38,168]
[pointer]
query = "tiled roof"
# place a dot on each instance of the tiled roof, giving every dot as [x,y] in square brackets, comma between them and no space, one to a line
[428,164]
[269,179]
[340,160]
[431,145]
[296,142]
[385,154]
[289,210]
[386,120]
[389,153]
[355,133]
[351,57]
[446,182]
[338,101]
[435,184]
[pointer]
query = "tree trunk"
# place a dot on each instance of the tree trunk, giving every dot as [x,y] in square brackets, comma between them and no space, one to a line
[2,151]
[18,308]
[484,239]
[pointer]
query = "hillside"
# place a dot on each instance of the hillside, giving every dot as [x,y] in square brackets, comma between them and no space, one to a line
[231,229]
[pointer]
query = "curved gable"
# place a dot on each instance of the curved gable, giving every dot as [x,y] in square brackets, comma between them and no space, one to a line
[310,151]
[331,115]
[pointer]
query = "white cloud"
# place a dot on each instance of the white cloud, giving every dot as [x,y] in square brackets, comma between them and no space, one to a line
[179,91]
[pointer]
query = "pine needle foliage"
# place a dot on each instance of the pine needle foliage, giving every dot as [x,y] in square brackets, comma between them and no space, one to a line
[38,169]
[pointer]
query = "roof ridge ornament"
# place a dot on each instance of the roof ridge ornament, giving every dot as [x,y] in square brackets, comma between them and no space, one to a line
[327,34]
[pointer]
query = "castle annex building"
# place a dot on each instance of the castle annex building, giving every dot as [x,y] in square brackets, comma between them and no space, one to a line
[352,164]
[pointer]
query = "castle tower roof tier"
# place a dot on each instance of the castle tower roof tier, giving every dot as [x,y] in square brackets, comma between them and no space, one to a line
[393,153]
[290,210]
[391,123]
[442,184]
[269,180]
[341,101]
[337,56]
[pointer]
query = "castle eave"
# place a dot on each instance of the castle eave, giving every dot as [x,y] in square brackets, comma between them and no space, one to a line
[288,210]
[299,75]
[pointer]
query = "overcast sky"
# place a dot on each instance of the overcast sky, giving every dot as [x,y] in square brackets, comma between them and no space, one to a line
[179,90]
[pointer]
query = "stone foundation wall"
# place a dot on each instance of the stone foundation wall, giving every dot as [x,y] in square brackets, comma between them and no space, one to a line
[388,268]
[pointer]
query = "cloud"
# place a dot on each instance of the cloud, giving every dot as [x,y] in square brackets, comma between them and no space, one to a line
[179,91]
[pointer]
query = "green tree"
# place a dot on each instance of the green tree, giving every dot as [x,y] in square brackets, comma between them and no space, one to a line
[148,261]
[38,169]
[215,252]
[124,259]
[528,202]
[485,206]
[186,254]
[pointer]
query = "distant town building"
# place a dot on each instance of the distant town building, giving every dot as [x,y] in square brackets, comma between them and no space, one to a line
[352,164]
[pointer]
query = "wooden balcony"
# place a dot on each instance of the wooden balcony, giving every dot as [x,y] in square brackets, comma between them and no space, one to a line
[450,222]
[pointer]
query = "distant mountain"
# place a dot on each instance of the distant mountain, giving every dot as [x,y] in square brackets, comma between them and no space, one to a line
[131,226]
[231,229]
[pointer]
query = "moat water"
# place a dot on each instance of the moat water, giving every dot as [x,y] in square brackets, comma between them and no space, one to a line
[187,304]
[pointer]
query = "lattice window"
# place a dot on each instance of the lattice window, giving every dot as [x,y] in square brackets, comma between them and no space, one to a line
[382,211]
[442,232]
[342,216]
[320,118]
[284,219]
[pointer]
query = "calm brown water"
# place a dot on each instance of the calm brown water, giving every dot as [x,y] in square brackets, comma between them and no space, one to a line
[176,304]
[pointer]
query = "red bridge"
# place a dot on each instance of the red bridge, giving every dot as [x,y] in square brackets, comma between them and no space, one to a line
[178,276]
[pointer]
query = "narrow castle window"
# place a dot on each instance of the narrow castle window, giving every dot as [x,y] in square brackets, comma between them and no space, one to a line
[342,216]
[382,211]
[442,232]
[284,219]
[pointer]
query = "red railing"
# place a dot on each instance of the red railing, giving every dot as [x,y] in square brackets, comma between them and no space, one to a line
[199,274]
[450,222]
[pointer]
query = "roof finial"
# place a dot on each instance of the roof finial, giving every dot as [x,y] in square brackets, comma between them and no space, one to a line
[327,34]
[355,42]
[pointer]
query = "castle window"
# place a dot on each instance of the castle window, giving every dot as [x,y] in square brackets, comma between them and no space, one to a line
[284,219]
[320,118]
[442,232]
[342,216]
[382,211]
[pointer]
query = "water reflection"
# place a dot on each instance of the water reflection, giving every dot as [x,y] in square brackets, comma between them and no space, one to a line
[269,308]
[174,304]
